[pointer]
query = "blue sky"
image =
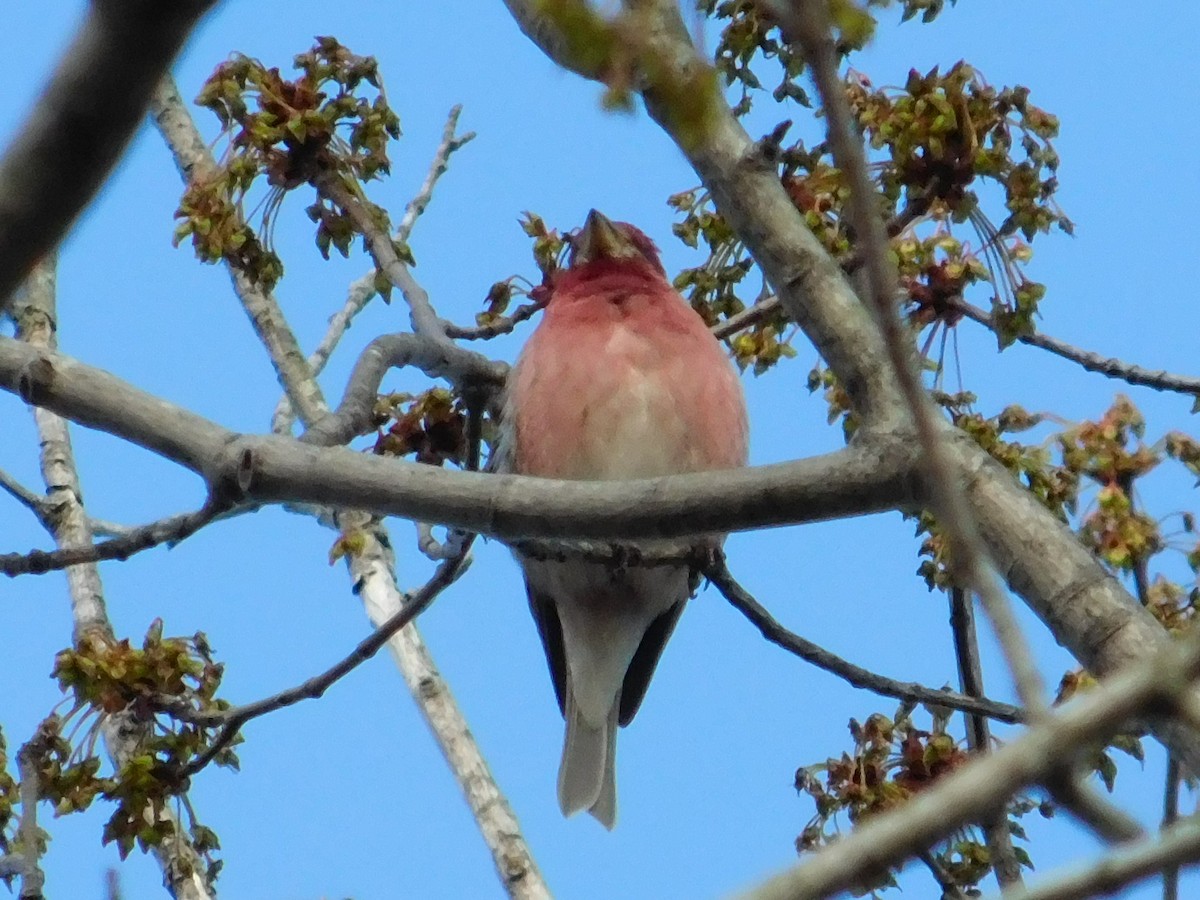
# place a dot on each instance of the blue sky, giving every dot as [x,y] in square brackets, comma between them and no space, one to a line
[348,796]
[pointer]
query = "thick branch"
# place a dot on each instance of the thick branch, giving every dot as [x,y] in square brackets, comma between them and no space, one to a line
[871,475]
[83,120]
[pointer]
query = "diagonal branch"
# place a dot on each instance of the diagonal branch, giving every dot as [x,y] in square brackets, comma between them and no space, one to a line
[1094,362]
[86,115]
[1163,682]
[468,365]
[809,23]
[195,162]
[363,289]
[718,573]
[233,720]
[1117,869]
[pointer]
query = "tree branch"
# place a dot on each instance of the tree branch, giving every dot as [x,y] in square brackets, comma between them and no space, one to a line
[718,573]
[1005,865]
[80,125]
[32,877]
[372,568]
[1108,366]
[1090,807]
[870,475]
[184,870]
[195,163]
[1179,844]
[232,720]
[809,23]
[1160,683]
[355,414]
[172,530]
[363,289]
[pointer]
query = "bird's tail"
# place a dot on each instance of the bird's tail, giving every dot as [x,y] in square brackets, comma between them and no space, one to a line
[586,778]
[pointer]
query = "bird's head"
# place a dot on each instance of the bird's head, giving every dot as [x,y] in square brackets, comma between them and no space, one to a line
[602,240]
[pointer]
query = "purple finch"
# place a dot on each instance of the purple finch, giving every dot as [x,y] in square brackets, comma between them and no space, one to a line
[622,379]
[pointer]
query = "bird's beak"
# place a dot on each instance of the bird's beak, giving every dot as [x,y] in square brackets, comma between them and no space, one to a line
[600,239]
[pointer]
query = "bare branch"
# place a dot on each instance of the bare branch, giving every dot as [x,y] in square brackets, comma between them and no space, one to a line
[28,836]
[982,786]
[1094,362]
[809,23]
[718,573]
[80,125]
[1179,844]
[1089,806]
[363,289]
[170,530]
[498,326]
[195,162]
[34,502]
[870,475]
[233,719]
[1174,779]
[1005,865]
[374,583]
[450,144]
[356,413]
[184,870]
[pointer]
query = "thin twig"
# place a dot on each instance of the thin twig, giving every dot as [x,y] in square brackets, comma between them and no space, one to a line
[808,22]
[1005,865]
[950,889]
[496,327]
[1091,361]
[33,501]
[363,289]
[314,687]
[1174,778]
[170,530]
[718,573]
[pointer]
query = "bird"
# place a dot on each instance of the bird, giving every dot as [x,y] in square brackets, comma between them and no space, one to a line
[621,379]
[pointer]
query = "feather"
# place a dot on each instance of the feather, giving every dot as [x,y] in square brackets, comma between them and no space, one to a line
[621,379]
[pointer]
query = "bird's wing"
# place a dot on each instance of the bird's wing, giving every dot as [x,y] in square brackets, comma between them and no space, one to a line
[645,659]
[550,631]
